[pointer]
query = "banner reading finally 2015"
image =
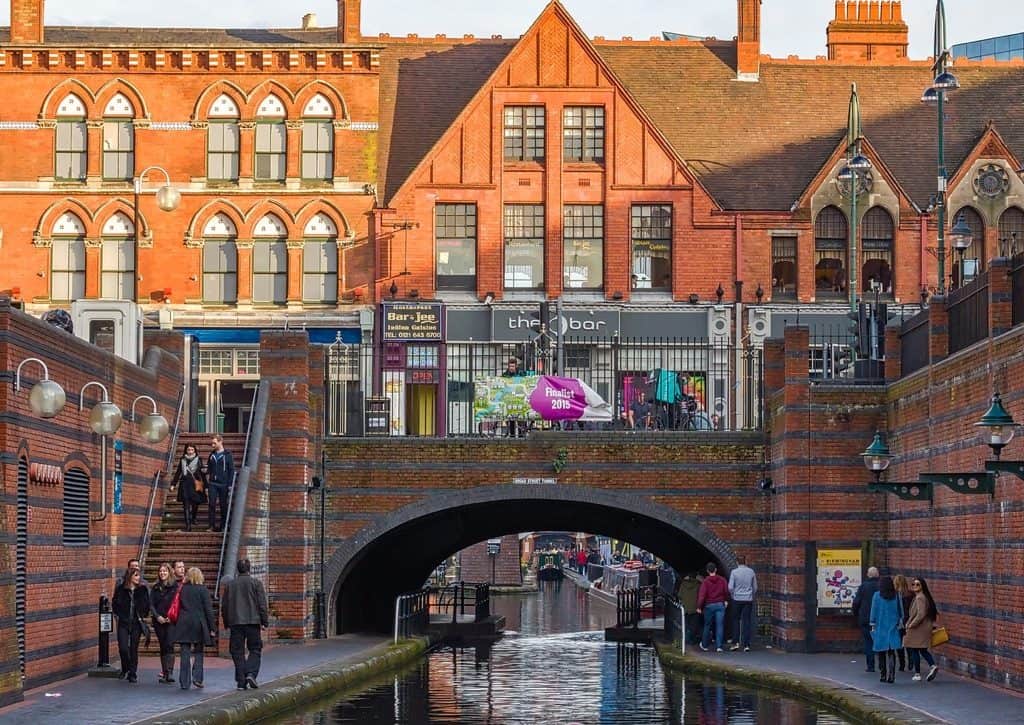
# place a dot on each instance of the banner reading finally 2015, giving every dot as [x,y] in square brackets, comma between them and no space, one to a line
[537,397]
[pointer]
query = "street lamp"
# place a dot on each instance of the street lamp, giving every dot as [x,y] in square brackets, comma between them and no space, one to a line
[493,548]
[105,417]
[154,427]
[167,197]
[856,164]
[999,424]
[943,83]
[47,398]
[961,237]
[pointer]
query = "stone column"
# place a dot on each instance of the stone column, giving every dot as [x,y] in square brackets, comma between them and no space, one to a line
[244,247]
[295,272]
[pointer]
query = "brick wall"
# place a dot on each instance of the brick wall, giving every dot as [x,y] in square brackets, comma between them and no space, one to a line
[64,583]
[502,569]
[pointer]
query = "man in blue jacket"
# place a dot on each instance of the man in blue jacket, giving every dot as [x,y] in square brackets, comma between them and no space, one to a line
[220,475]
[862,611]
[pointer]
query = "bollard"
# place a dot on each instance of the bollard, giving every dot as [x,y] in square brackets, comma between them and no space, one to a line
[106,626]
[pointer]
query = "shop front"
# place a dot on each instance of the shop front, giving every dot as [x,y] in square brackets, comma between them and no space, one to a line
[412,364]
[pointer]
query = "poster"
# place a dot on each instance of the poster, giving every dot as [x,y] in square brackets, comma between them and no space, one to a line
[839,577]
[537,397]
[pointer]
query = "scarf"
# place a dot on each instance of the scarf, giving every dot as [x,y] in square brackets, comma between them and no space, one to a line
[189,466]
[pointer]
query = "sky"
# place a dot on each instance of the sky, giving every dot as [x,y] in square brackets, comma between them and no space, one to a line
[789,27]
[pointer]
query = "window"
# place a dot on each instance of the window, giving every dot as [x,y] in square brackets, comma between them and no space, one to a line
[221,361]
[830,247]
[651,233]
[67,259]
[247,362]
[270,262]
[76,508]
[318,139]
[1011,231]
[583,133]
[118,139]
[117,259]
[455,226]
[271,142]
[72,141]
[583,246]
[222,153]
[524,133]
[975,252]
[320,261]
[220,261]
[876,245]
[524,246]
[783,268]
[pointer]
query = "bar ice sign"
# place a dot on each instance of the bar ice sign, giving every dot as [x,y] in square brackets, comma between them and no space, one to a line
[413,320]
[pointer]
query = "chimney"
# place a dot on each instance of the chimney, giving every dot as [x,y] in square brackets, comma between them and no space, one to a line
[26,22]
[748,40]
[348,21]
[867,31]
[309,21]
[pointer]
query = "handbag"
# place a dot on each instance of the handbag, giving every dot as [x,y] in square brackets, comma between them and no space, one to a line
[940,635]
[172,611]
[198,484]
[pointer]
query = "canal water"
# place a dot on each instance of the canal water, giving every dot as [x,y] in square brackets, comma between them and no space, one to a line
[553,666]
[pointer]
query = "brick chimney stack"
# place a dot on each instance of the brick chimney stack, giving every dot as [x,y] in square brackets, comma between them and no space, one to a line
[348,21]
[748,40]
[26,22]
[867,30]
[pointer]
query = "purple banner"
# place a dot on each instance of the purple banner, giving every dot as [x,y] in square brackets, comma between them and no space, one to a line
[558,398]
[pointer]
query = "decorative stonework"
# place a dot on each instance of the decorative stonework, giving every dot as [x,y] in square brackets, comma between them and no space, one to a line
[119,106]
[293,125]
[170,126]
[294,244]
[191,243]
[991,181]
[41,242]
[318,107]
[244,243]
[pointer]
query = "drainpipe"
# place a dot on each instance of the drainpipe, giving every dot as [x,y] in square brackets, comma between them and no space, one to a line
[738,352]
[924,252]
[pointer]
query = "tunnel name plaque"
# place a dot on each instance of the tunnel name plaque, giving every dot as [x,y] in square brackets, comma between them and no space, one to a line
[518,481]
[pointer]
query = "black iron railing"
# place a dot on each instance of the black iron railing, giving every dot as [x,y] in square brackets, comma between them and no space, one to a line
[967,309]
[457,599]
[914,353]
[634,605]
[1017,283]
[412,614]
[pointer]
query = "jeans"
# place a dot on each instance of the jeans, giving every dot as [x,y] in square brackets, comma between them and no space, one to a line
[714,613]
[128,647]
[869,646]
[916,653]
[744,622]
[217,492]
[245,636]
[191,664]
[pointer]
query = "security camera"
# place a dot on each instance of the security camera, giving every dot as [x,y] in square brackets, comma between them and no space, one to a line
[765,484]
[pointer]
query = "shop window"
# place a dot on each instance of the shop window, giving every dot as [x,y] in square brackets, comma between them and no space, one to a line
[421,356]
[117,259]
[524,246]
[72,141]
[830,253]
[455,226]
[583,247]
[877,235]
[651,232]
[67,259]
[76,508]
[583,133]
[1011,231]
[783,268]
[524,133]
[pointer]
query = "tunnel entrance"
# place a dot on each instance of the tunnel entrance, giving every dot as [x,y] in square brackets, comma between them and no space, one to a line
[398,553]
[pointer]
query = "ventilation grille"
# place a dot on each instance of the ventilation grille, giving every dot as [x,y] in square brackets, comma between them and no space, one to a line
[21,560]
[76,508]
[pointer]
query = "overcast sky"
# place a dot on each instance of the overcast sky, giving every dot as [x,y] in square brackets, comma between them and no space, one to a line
[790,27]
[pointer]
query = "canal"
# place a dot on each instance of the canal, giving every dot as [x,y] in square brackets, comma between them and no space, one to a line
[553,666]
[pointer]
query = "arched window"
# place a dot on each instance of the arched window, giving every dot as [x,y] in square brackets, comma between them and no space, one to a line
[222,140]
[1011,231]
[270,261]
[877,243]
[117,260]
[67,259]
[220,261]
[830,253]
[320,261]
[972,262]
[271,140]
[72,143]
[76,508]
[318,139]
[118,139]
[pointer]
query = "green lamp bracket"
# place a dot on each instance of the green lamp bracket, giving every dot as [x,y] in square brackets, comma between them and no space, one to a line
[971,482]
[911,491]
[1014,467]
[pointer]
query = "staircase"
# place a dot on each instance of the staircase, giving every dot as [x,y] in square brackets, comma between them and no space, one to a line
[198,547]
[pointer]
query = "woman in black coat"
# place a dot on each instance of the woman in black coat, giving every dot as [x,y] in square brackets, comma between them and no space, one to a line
[191,484]
[195,628]
[130,605]
[161,596]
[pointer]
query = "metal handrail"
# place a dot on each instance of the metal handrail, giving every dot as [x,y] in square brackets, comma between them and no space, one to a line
[411,610]
[231,493]
[144,547]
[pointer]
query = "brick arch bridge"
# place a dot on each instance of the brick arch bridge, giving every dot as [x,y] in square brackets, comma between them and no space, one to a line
[396,553]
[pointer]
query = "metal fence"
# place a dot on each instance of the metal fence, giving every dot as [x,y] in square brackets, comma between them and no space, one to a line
[967,308]
[914,333]
[1017,282]
[348,380]
[412,614]
[832,358]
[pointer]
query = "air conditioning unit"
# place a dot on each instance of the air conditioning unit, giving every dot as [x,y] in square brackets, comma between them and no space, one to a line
[114,325]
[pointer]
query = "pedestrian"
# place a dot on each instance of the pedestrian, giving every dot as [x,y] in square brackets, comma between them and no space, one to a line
[906,597]
[133,563]
[689,588]
[920,622]
[581,560]
[712,601]
[245,611]
[862,611]
[131,606]
[220,475]
[515,426]
[742,589]
[179,572]
[161,595]
[195,628]
[191,484]
[886,618]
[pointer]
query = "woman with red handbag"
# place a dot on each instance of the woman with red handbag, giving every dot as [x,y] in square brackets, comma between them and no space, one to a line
[162,595]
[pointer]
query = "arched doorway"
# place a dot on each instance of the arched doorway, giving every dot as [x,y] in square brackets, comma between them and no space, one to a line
[397,553]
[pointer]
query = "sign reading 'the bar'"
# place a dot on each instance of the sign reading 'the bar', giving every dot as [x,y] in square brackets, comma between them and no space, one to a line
[413,320]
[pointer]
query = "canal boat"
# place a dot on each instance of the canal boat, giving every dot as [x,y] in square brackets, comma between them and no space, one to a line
[549,566]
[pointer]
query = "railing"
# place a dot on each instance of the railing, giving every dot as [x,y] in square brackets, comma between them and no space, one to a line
[967,308]
[453,600]
[228,518]
[1017,284]
[144,547]
[831,356]
[412,614]
[631,605]
[675,621]
[914,332]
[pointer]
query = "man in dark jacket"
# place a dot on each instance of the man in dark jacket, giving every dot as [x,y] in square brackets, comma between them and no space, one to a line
[245,610]
[220,474]
[862,611]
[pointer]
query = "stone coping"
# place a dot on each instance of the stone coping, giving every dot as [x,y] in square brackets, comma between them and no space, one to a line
[296,691]
[849,702]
